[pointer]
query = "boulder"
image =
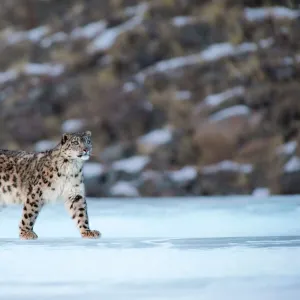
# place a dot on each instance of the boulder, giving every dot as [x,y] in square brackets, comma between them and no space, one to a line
[116,152]
[290,178]
[225,178]
[155,184]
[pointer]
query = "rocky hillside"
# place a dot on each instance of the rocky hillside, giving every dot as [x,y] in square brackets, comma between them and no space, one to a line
[184,97]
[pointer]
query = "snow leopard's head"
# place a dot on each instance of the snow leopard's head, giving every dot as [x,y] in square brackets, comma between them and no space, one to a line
[77,145]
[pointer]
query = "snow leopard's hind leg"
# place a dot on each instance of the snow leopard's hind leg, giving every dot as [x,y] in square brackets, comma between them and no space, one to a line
[31,210]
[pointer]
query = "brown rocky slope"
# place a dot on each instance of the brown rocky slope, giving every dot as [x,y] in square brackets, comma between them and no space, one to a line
[184,97]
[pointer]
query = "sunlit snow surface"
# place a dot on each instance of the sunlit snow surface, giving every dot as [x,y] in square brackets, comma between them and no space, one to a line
[213,248]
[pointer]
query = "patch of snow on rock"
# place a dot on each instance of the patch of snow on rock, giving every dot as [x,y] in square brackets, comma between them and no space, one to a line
[293,165]
[43,69]
[131,10]
[92,169]
[237,110]
[217,51]
[7,76]
[44,145]
[217,99]
[55,38]
[288,60]
[106,40]
[186,174]
[183,95]
[212,53]
[37,33]
[266,43]
[108,37]
[261,192]
[288,148]
[89,31]
[180,21]
[123,188]
[227,165]
[134,164]
[72,125]
[129,87]
[277,12]
[148,106]
[157,137]
[34,35]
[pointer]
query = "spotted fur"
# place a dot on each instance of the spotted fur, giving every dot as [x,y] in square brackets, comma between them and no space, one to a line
[35,179]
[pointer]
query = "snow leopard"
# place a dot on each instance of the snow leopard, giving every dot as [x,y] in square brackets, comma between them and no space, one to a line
[34,179]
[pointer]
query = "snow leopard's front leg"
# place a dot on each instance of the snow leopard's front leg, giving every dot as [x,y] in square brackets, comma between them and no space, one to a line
[77,207]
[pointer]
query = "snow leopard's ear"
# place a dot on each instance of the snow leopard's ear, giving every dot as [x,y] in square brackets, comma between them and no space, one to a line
[88,133]
[64,138]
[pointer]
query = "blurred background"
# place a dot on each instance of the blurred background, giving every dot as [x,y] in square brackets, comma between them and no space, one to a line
[183,97]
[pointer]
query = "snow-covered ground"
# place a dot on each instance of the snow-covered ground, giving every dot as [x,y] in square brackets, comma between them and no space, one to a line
[213,248]
[217,99]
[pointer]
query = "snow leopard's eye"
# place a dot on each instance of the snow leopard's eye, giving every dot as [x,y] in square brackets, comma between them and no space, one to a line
[75,143]
[88,142]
